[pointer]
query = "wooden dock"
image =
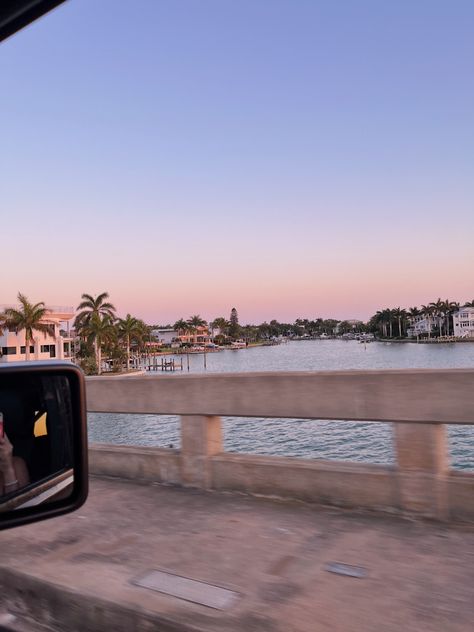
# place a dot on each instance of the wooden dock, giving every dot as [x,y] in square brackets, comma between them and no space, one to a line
[165,365]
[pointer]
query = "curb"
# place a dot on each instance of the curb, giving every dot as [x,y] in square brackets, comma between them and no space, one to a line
[56,607]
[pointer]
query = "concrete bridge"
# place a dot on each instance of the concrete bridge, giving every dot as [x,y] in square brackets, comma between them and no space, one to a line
[371,547]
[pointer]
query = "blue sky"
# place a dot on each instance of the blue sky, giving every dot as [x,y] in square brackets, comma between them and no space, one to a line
[294,158]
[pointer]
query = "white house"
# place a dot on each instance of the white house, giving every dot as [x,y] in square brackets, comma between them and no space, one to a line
[164,336]
[463,321]
[45,346]
[421,325]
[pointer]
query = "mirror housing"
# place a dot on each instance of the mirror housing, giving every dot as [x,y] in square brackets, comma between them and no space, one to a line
[43,441]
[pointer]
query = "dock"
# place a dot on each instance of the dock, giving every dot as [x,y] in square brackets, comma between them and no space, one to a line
[165,365]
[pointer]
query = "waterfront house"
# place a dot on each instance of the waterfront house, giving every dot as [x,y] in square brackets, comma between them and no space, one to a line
[45,346]
[463,321]
[164,336]
[200,335]
[421,325]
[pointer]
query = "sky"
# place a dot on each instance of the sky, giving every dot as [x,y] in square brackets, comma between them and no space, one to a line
[291,158]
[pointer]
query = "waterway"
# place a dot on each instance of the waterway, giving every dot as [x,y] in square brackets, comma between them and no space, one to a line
[356,441]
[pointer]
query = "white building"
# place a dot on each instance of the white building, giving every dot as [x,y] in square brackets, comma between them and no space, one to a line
[463,321]
[45,346]
[423,325]
[164,336]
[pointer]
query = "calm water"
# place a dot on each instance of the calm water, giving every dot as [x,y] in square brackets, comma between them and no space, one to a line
[368,442]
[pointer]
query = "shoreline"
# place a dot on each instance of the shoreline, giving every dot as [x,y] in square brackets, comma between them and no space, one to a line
[433,341]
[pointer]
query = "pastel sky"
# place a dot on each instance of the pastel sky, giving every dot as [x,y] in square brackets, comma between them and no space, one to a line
[286,157]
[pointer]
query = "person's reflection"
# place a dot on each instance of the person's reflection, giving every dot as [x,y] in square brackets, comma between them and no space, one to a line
[13,471]
[35,437]
[17,405]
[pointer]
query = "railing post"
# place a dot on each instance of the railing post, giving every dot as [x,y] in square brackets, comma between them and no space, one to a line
[201,438]
[422,455]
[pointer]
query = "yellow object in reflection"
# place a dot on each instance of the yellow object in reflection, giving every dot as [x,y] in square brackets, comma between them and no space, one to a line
[40,429]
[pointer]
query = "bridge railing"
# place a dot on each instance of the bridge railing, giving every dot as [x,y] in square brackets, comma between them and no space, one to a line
[419,404]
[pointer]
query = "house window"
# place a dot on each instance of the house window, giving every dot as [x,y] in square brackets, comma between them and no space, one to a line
[23,350]
[8,350]
[51,349]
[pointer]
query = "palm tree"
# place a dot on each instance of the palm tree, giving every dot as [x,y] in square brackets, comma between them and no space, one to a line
[127,329]
[94,322]
[28,317]
[427,312]
[250,333]
[400,314]
[98,330]
[449,307]
[437,309]
[196,321]
[388,316]
[181,326]
[469,303]
[412,313]
[378,321]
[221,324]
[90,306]
[142,335]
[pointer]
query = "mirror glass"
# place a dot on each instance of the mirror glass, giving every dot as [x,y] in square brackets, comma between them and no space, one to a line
[36,440]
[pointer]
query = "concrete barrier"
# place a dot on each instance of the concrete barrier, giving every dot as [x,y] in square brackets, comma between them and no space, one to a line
[160,465]
[418,402]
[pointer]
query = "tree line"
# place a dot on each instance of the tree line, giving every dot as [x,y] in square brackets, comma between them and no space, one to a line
[100,331]
[230,329]
[96,324]
[394,322]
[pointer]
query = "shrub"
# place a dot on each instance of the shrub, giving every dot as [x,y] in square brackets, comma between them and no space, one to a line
[88,365]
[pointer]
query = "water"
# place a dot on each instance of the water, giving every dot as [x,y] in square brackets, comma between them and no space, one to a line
[355,441]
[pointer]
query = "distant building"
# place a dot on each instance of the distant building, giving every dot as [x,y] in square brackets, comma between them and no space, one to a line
[198,337]
[422,325]
[463,321]
[165,336]
[58,345]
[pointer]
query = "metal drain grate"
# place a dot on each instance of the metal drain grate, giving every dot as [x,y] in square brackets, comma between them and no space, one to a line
[188,589]
[346,569]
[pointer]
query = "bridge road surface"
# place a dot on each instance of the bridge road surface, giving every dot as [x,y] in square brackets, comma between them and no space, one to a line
[260,565]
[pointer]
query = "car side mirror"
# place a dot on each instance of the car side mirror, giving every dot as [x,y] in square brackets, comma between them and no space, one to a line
[43,441]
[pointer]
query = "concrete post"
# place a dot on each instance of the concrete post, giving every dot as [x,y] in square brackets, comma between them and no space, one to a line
[422,455]
[201,438]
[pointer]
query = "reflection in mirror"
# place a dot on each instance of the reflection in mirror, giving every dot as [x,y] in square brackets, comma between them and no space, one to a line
[36,440]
